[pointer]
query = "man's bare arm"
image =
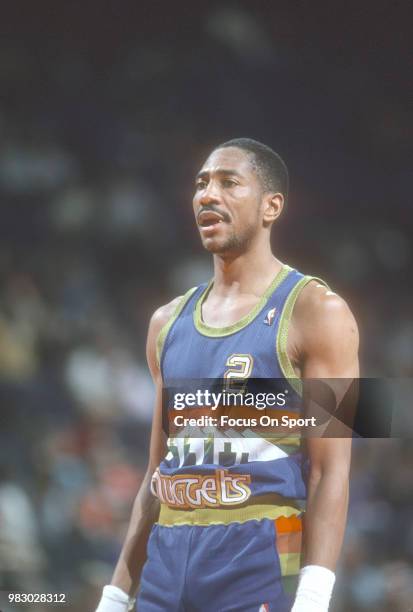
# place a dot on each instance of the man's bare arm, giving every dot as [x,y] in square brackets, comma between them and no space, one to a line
[326,340]
[329,347]
[146,507]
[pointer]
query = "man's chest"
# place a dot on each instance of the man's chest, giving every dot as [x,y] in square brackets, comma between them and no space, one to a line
[222,312]
[228,352]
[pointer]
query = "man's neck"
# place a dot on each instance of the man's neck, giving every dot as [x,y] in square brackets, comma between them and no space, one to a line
[250,272]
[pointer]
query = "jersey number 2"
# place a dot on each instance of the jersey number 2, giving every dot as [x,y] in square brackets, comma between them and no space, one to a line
[240,368]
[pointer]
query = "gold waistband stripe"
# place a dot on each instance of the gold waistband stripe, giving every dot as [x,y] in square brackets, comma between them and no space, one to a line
[258,508]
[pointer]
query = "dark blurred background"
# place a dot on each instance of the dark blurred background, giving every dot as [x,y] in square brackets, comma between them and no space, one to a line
[107,109]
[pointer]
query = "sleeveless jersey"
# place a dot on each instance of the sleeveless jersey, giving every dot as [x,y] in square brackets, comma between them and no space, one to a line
[225,473]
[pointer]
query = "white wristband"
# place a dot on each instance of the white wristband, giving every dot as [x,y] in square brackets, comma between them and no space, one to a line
[314,589]
[114,600]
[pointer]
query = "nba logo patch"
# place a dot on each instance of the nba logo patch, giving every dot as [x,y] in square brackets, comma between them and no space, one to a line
[264,608]
[269,318]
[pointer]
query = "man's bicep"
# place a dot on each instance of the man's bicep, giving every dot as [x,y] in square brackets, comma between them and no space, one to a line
[158,438]
[157,449]
[158,321]
[331,368]
[332,341]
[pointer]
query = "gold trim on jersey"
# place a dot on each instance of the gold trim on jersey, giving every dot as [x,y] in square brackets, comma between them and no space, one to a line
[282,334]
[165,329]
[271,506]
[207,330]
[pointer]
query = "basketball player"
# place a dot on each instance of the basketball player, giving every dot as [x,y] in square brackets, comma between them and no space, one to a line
[210,535]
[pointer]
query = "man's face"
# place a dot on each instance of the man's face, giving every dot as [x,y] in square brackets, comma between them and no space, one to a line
[227,201]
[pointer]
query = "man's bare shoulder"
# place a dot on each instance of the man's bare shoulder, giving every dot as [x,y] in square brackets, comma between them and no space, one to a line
[162,314]
[158,320]
[322,315]
[318,302]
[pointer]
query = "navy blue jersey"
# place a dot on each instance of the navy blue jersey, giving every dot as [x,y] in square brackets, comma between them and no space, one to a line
[225,472]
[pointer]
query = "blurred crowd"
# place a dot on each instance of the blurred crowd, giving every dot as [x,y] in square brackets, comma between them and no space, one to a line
[101,132]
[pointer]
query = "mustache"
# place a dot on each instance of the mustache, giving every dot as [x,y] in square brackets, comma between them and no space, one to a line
[211,208]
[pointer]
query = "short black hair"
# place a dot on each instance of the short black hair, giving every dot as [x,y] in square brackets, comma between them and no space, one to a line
[269,166]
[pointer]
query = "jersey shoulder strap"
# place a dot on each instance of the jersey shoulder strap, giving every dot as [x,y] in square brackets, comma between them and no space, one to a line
[160,341]
[284,324]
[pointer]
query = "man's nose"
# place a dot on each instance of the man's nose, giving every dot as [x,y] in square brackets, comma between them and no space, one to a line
[210,194]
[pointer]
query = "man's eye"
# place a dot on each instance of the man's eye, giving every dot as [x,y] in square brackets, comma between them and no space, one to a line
[229,182]
[201,185]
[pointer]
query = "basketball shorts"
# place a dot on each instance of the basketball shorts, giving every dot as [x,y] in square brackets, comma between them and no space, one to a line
[237,567]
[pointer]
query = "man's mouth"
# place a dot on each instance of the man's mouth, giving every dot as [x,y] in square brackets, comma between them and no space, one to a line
[209,218]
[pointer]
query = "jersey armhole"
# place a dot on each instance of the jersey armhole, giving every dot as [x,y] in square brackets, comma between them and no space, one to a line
[282,333]
[160,341]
